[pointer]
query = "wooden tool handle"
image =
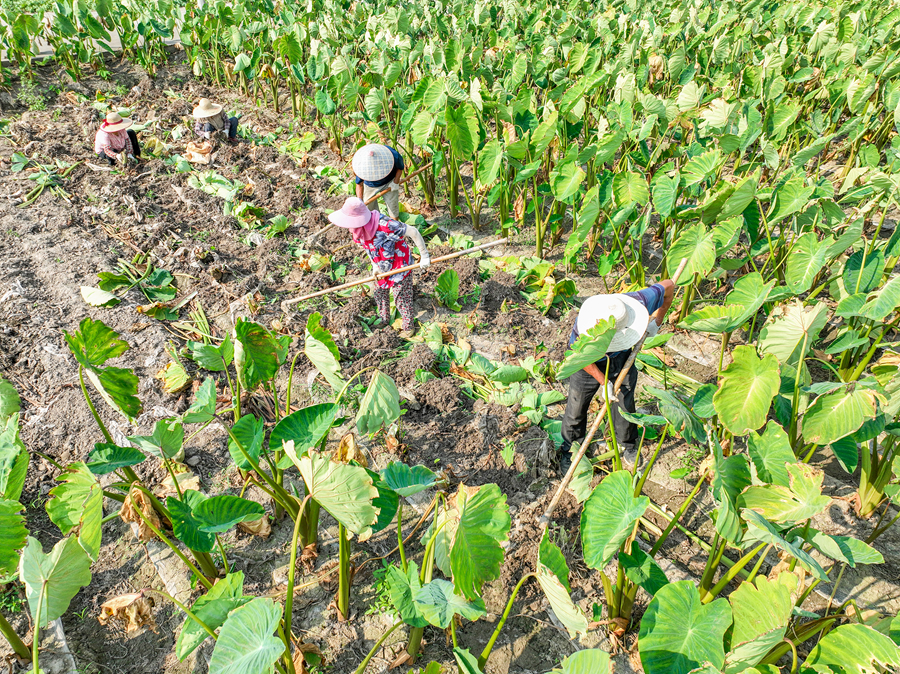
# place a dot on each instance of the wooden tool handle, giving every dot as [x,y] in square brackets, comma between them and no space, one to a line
[375,277]
[601,414]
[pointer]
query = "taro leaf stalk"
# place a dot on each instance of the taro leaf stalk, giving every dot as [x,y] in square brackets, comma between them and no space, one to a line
[347,492]
[92,345]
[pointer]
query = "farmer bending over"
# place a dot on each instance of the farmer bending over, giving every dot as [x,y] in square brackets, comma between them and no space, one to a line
[211,119]
[631,313]
[115,142]
[384,239]
[377,168]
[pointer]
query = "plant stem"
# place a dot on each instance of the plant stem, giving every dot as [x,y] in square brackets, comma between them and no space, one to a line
[36,637]
[203,579]
[14,640]
[400,536]
[292,570]
[222,552]
[485,654]
[365,662]
[732,572]
[91,406]
[674,521]
[184,608]
[646,473]
[343,598]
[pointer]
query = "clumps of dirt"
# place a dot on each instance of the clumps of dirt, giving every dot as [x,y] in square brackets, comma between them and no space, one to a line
[439,394]
[420,358]
[342,322]
[493,421]
[371,350]
[501,287]
[469,274]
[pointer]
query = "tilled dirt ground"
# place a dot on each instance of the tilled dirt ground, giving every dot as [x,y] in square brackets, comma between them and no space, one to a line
[61,242]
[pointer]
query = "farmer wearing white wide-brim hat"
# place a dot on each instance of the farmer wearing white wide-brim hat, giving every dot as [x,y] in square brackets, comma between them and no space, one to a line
[378,167]
[115,141]
[633,314]
[210,118]
[384,239]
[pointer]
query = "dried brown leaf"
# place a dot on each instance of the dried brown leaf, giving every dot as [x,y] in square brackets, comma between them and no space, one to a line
[135,500]
[260,527]
[133,610]
[348,450]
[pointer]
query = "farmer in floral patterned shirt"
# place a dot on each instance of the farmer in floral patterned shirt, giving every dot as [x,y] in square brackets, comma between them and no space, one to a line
[115,141]
[384,239]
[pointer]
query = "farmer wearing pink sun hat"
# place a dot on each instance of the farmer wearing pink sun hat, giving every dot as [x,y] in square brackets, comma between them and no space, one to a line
[384,240]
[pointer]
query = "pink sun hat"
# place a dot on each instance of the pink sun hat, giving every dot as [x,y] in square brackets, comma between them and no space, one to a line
[354,213]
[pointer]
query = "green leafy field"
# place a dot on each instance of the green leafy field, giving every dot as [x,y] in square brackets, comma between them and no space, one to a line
[757,141]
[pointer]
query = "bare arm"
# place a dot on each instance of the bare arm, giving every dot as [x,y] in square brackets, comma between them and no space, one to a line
[359,190]
[660,314]
[596,373]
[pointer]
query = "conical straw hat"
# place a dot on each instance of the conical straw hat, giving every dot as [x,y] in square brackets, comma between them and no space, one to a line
[206,108]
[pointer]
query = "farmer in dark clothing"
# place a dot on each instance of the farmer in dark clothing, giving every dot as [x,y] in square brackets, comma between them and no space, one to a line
[210,118]
[377,167]
[633,314]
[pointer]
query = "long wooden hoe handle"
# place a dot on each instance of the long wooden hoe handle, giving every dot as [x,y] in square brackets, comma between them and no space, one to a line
[375,198]
[601,414]
[375,277]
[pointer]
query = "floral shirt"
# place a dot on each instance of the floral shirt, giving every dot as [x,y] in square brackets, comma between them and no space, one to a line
[113,143]
[388,250]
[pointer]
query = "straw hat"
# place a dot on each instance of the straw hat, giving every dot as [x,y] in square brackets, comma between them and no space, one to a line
[206,108]
[373,162]
[115,122]
[354,213]
[630,317]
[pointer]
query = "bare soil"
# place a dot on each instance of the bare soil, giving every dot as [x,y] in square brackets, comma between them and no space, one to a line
[50,249]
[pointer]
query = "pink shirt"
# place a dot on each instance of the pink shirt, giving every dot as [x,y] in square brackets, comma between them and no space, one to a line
[113,143]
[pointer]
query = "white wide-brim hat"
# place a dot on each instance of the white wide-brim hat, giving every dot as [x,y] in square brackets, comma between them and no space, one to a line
[373,162]
[206,108]
[630,317]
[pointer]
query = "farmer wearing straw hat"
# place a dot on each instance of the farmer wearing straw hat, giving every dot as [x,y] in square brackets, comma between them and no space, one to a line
[115,142]
[384,239]
[210,118]
[633,314]
[377,167]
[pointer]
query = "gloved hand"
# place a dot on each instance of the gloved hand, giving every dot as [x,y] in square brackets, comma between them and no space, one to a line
[425,260]
[610,392]
[652,328]
[394,187]
[131,158]
[122,159]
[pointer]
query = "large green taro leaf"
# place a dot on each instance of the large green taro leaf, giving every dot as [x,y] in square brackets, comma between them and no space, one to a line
[854,649]
[246,644]
[476,551]
[380,406]
[770,453]
[306,427]
[212,608]
[78,502]
[799,501]
[344,490]
[833,416]
[12,535]
[678,633]
[438,602]
[761,613]
[588,661]
[608,518]
[258,353]
[51,581]
[322,351]
[587,349]
[745,393]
